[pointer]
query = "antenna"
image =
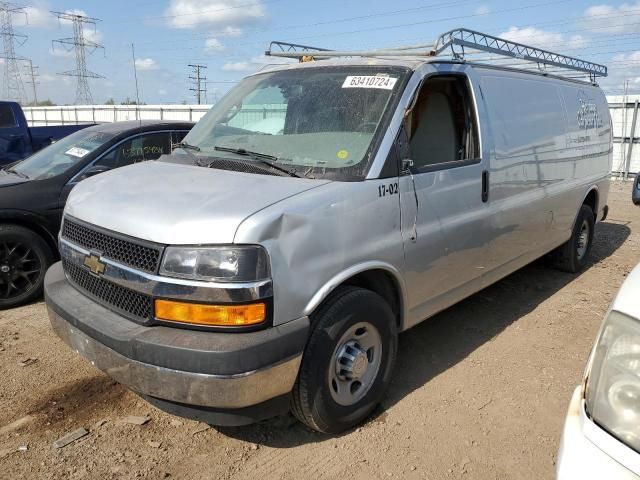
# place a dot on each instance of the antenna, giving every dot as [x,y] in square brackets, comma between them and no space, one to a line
[13,86]
[135,74]
[32,74]
[79,44]
[200,83]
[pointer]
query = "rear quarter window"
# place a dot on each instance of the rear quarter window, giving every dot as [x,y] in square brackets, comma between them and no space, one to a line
[7,119]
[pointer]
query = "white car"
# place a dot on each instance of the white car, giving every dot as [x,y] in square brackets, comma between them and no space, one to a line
[601,437]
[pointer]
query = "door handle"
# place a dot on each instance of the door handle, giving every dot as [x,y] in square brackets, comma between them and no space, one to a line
[485,186]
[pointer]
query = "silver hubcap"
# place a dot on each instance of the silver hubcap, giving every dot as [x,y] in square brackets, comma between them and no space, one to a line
[355,363]
[583,240]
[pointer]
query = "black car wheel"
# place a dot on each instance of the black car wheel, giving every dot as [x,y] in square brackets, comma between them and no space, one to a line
[24,259]
[573,255]
[348,361]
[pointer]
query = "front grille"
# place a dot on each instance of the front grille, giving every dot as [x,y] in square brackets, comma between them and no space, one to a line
[132,303]
[135,255]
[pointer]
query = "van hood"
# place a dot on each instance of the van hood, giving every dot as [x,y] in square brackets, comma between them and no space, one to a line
[178,204]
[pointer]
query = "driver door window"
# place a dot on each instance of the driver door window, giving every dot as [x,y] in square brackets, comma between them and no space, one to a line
[443,131]
[137,149]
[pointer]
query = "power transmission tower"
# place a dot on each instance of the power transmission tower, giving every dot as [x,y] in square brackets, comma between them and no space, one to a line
[199,82]
[13,88]
[32,74]
[80,45]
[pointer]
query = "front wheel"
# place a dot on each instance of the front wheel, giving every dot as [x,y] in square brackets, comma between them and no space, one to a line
[24,259]
[348,361]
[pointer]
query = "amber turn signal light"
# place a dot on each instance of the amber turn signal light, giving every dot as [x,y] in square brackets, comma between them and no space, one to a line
[211,315]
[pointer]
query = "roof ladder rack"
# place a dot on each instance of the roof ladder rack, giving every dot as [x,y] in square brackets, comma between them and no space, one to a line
[469,42]
[487,43]
[293,50]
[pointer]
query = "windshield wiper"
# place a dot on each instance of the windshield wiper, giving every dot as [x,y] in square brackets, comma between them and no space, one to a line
[265,158]
[15,172]
[187,146]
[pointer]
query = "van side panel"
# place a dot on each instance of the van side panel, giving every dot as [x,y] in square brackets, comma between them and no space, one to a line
[544,161]
[589,142]
[528,128]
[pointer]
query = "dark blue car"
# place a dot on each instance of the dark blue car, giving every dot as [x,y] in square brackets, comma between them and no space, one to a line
[18,140]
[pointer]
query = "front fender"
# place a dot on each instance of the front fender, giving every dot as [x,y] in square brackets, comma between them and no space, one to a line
[321,237]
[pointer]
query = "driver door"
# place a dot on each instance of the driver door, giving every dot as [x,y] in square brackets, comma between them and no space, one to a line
[445,216]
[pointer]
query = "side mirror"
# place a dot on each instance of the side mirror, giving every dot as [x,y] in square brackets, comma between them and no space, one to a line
[406,165]
[635,192]
[402,148]
[94,170]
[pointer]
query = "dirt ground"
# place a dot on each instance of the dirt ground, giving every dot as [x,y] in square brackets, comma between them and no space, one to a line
[480,392]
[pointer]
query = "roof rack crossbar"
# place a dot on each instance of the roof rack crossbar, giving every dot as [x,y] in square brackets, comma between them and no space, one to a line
[487,43]
[293,50]
[289,50]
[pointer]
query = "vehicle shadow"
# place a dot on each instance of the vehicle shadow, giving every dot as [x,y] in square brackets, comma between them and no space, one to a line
[441,342]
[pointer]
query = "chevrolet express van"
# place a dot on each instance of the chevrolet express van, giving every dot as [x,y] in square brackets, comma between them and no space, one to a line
[319,209]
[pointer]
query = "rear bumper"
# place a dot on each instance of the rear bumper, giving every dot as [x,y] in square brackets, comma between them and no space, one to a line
[183,367]
[579,457]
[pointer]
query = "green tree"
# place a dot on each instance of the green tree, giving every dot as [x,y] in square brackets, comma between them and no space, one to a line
[42,103]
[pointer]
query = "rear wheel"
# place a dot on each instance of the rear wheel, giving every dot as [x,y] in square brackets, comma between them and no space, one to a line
[572,256]
[24,259]
[348,361]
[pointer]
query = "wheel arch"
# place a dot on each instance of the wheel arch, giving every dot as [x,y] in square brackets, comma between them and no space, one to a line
[381,278]
[591,199]
[32,222]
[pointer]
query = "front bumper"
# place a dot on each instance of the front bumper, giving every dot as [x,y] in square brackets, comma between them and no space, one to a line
[580,457]
[179,366]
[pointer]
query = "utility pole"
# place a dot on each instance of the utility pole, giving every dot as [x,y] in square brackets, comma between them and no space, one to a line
[214,92]
[32,74]
[200,85]
[623,135]
[80,44]
[13,88]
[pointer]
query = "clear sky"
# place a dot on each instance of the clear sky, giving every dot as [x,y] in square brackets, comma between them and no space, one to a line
[229,37]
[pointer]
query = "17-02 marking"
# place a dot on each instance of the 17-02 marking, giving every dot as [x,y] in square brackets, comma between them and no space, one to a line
[388,189]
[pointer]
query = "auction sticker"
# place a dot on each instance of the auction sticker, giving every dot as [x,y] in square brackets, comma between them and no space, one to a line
[76,152]
[369,81]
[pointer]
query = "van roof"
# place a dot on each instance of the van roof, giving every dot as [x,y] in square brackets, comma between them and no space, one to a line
[457,46]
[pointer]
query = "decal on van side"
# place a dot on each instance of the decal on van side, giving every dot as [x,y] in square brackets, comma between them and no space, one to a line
[588,115]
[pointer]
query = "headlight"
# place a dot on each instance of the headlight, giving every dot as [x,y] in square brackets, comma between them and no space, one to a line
[613,388]
[225,264]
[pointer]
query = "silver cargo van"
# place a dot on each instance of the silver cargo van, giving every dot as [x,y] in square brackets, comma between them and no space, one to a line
[319,209]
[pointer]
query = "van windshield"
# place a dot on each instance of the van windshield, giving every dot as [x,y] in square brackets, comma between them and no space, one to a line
[321,122]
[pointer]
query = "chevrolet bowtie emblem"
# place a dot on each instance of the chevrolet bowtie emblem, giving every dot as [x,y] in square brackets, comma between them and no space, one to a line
[94,264]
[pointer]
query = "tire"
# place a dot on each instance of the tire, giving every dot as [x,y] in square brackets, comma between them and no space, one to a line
[330,401]
[573,255]
[24,259]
